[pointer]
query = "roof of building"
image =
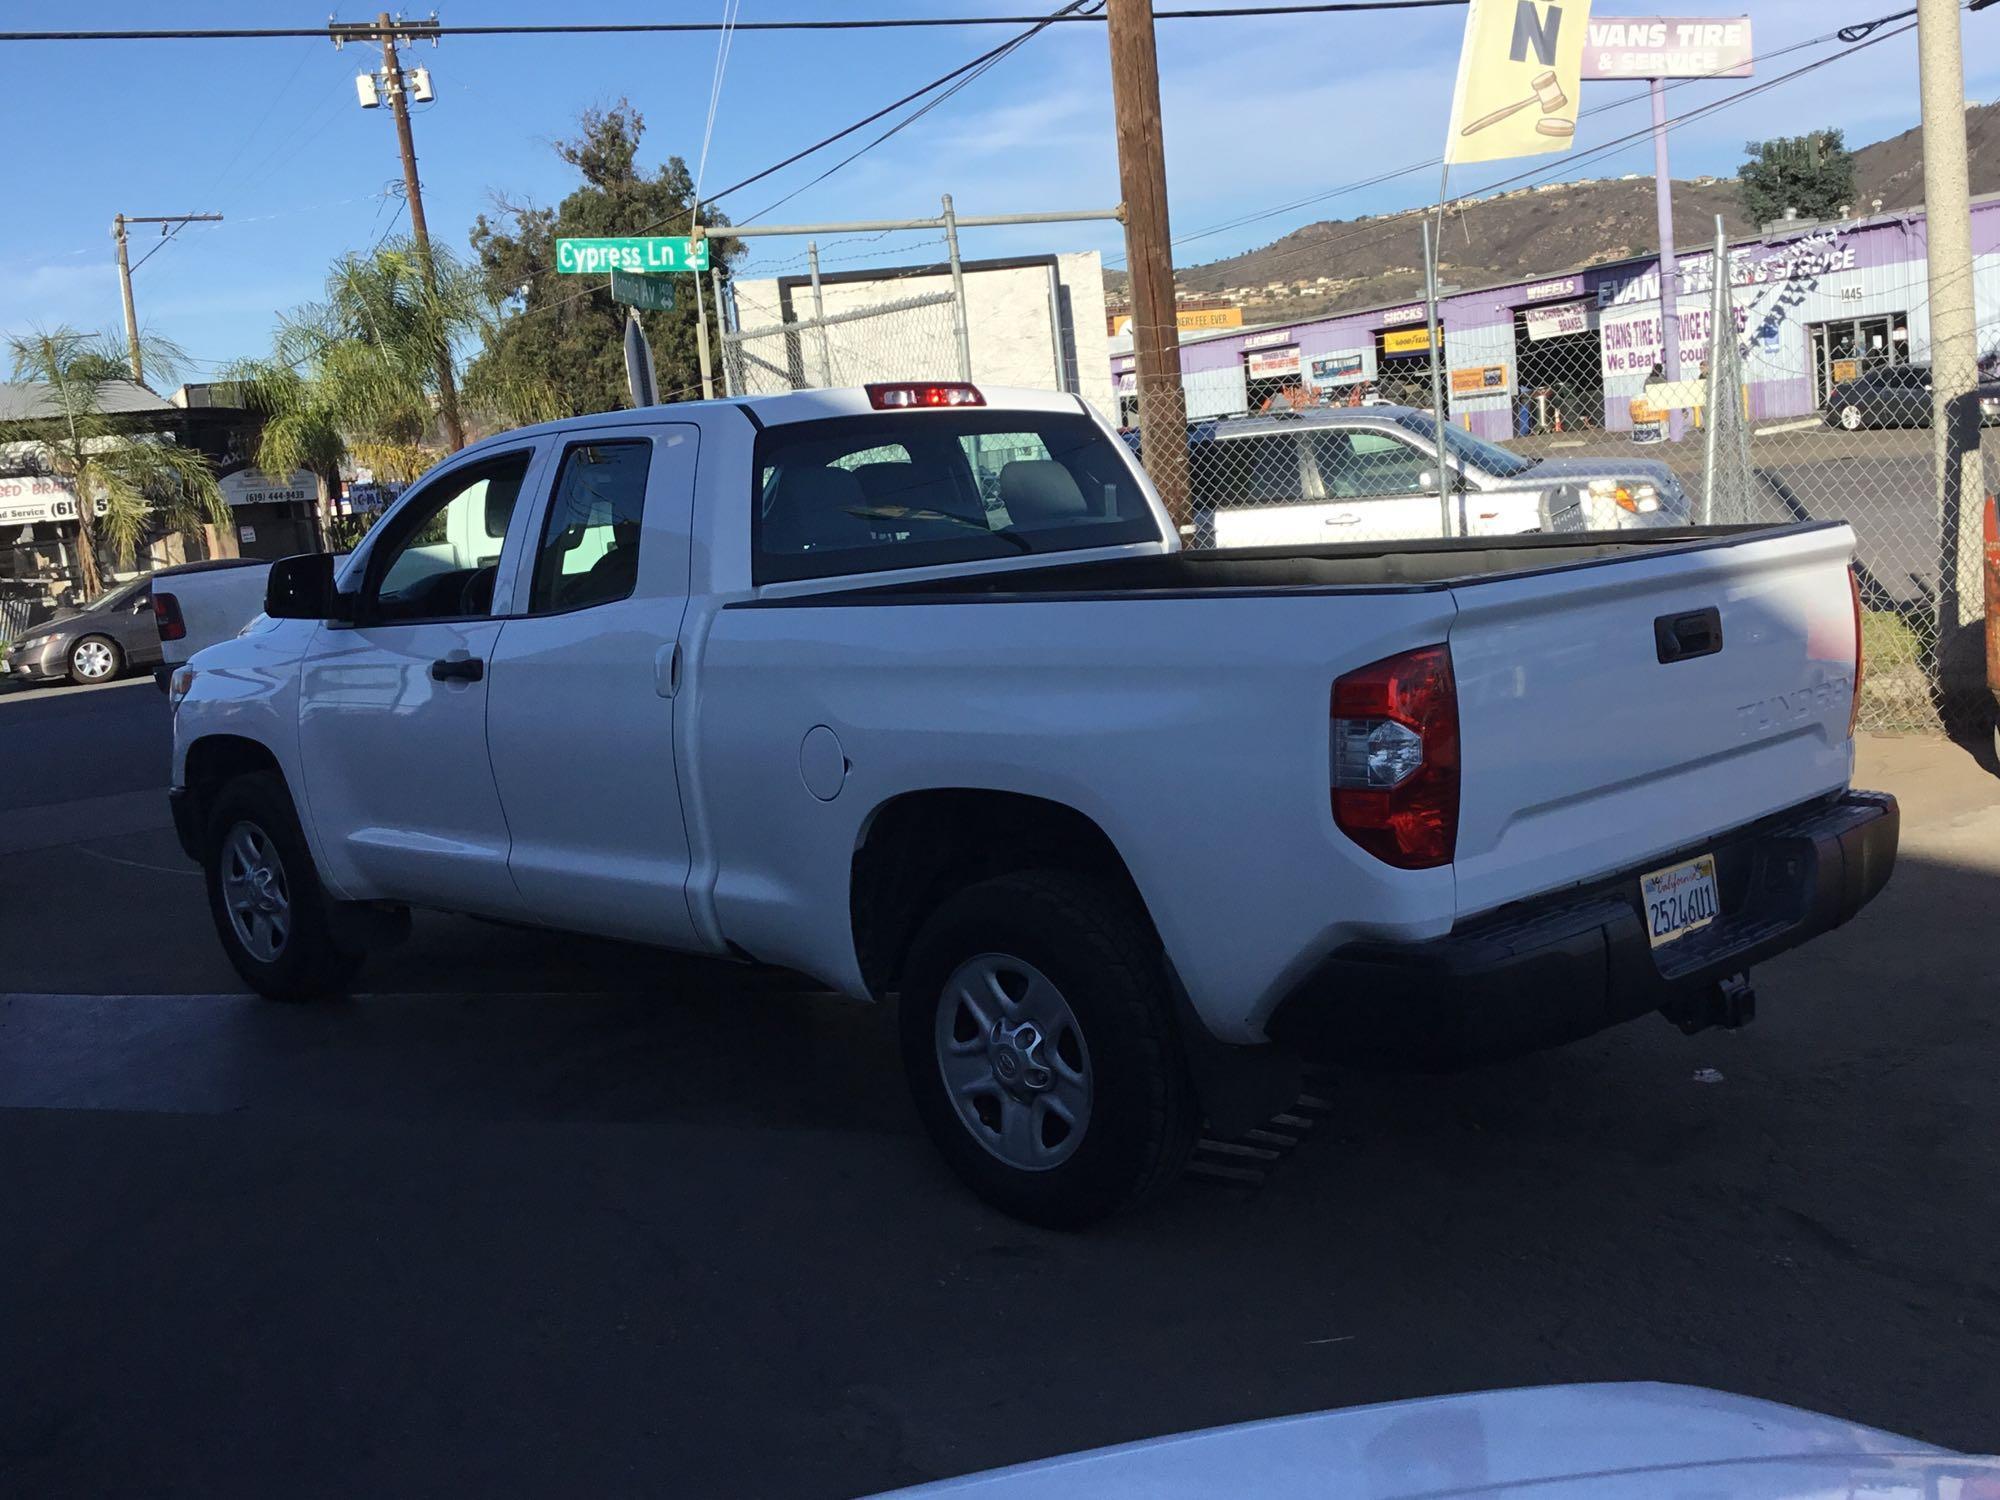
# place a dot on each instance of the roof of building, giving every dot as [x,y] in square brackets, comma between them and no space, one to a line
[1772,234]
[25,401]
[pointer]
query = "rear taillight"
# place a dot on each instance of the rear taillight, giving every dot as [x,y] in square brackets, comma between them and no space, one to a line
[895,395]
[1394,758]
[1854,709]
[167,615]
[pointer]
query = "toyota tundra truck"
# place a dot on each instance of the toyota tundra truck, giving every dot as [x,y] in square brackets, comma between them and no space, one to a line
[913,690]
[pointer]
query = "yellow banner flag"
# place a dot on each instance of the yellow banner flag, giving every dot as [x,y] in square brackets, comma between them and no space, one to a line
[1518,76]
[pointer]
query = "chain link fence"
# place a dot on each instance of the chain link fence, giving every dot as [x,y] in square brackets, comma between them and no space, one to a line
[1561,417]
[904,338]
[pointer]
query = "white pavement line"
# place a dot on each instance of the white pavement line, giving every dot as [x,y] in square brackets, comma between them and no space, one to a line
[1805,426]
[137,864]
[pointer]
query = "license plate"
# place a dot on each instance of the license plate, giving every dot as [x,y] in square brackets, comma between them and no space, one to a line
[1679,899]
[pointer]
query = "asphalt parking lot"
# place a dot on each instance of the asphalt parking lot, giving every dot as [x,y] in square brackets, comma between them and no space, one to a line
[535,1217]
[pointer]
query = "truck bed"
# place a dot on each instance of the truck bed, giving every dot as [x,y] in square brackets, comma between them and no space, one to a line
[1352,566]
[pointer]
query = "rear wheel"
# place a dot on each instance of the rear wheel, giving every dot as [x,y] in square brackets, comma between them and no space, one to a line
[95,658]
[1850,418]
[1040,1051]
[274,919]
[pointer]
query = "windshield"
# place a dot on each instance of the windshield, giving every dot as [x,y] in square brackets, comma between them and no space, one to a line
[1488,458]
[117,596]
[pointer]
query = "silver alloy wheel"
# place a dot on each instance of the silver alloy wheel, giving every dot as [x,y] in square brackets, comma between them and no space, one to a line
[93,660]
[255,892]
[1014,1061]
[1850,418]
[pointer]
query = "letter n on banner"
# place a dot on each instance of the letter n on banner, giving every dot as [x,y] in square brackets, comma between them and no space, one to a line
[1519,73]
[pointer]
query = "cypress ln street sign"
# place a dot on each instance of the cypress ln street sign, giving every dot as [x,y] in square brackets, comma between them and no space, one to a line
[631,253]
[653,293]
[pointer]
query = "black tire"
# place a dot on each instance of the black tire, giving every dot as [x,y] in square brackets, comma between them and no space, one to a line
[99,647]
[311,962]
[1097,947]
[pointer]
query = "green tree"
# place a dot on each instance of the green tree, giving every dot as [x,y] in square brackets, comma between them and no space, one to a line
[143,479]
[355,376]
[563,336]
[1811,173]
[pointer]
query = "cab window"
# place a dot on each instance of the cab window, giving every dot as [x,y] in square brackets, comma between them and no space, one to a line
[910,489]
[589,550]
[438,556]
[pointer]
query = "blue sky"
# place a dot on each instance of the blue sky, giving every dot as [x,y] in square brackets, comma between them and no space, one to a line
[1258,112]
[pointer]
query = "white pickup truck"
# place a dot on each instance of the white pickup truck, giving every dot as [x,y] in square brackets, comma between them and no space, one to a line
[911,689]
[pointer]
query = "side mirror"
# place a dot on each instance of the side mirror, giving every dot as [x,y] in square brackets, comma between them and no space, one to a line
[300,588]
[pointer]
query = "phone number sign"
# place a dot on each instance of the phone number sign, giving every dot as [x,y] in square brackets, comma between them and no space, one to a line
[643,253]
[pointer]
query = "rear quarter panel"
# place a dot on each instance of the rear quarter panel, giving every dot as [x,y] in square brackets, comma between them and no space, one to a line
[1193,731]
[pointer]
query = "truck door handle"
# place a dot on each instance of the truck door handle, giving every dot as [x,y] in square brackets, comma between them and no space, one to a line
[458,669]
[1684,637]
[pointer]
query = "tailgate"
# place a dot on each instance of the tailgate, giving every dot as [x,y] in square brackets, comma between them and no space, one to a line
[1584,753]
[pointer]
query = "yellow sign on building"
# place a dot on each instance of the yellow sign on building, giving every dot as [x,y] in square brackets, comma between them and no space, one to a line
[1519,74]
[1409,340]
[1188,320]
[1209,317]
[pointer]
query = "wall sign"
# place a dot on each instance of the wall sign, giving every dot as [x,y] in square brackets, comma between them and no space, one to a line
[1410,341]
[1480,380]
[1558,321]
[1272,364]
[1342,367]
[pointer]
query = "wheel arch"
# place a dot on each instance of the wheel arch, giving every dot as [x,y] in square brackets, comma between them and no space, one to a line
[918,847]
[212,761]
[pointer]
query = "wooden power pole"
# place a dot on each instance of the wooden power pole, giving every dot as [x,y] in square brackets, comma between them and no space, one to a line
[386,30]
[1149,260]
[118,224]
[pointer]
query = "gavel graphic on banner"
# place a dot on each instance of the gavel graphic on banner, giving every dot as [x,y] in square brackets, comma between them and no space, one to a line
[1548,94]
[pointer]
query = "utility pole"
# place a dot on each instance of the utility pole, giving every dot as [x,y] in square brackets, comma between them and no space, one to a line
[1954,348]
[1149,260]
[125,276]
[387,31]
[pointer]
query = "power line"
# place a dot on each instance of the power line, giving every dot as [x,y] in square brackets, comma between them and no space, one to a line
[627,28]
[1861,29]
[958,77]
[993,60]
[1375,233]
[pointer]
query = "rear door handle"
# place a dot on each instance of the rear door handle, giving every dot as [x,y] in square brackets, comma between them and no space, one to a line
[458,669]
[1684,637]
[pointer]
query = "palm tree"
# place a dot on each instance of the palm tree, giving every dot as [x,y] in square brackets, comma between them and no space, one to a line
[140,478]
[356,375]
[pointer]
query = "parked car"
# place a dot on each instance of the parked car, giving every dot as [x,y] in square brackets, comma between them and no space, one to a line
[1124,830]
[1886,396]
[1637,1441]
[1370,473]
[198,604]
[112,635]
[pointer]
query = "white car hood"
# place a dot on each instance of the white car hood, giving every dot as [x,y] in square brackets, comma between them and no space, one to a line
[1618,1441]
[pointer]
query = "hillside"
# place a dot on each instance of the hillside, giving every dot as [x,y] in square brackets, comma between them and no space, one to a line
[1531,232]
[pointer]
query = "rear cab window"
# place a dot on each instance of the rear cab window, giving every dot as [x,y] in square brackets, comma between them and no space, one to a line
[913,489]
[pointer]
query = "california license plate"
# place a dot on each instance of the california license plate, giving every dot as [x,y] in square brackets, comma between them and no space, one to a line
[1679,899]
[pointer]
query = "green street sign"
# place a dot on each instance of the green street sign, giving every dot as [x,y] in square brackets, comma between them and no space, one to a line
[653,293]
[641,253]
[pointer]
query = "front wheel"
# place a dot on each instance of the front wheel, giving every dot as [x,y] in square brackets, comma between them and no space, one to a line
[274,920]
[95,659]
[1040,1050]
